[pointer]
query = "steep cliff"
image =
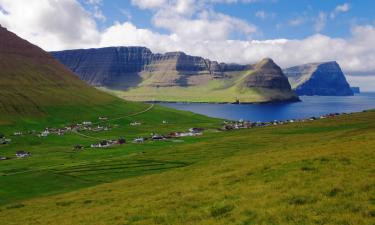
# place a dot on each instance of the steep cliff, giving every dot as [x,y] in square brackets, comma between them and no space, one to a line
[175,76]
[326,79]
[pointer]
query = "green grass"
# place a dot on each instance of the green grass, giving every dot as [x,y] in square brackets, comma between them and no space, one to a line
[216,91]
[317,172]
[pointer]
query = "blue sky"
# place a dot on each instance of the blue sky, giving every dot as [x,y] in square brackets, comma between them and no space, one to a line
[273,18]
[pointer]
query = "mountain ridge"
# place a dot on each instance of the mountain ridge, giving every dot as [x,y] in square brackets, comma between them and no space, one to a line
[142,76]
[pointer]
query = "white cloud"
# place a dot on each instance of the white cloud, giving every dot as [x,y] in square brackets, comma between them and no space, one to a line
[149,4]
[297,21]
[49,23]
[320,22]
[340,9]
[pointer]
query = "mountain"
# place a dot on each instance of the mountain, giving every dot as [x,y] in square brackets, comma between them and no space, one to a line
[31,79]
[326,79]
[136,73]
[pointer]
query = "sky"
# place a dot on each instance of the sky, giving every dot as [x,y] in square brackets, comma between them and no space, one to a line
[291,32]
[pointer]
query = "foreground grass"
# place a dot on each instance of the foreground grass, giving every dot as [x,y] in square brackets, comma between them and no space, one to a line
[319,172]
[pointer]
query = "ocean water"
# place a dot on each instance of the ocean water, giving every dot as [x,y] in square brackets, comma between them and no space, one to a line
[308,107]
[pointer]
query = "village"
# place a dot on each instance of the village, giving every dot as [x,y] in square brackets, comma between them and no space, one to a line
[103,144]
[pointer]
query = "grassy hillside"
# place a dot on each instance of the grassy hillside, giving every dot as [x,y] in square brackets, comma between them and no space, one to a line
[31,80]
[318,172]
[215,91]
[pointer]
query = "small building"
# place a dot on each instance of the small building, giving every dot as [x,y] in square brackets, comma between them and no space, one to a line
[4,141]
[135,124]
[196,130]
[3,158]
[103,118]
[164,122]
[17,133]
[22,154]
[44,133]
[103,144]
[138,140]
[157,137]
[87,123]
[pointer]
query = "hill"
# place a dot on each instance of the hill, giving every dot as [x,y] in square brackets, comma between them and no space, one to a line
[318,79]
[314,172]
[31,79]
[135,73]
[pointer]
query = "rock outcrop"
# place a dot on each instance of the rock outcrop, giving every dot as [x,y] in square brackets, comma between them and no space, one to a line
[123,68]
[325,79]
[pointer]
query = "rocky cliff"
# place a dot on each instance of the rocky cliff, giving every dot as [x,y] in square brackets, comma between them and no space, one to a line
[129,68]
[326,79]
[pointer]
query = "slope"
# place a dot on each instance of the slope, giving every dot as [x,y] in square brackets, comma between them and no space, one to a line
[31,79]
[312,173]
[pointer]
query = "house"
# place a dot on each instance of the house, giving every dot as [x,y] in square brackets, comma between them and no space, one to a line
[157,137]
[22,154]
[17,133]
[196,130]
[44,133]
[4,141]
[103,144]
[138,140]
[135,124]
[87,123]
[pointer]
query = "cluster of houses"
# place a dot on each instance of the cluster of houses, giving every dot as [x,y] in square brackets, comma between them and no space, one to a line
[108,143]
[139,140]
[4,140]
[243,124]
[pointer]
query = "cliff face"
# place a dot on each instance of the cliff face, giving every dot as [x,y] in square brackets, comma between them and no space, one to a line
[126,65]
[326,79]
[124,68]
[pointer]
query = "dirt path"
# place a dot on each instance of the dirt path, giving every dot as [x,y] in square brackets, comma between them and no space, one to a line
[114,119]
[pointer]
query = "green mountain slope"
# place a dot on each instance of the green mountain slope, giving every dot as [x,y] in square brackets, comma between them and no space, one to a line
[317,172]
[31,80]
[261,82]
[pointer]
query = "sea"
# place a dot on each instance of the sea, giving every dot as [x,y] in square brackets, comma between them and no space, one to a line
[309,106]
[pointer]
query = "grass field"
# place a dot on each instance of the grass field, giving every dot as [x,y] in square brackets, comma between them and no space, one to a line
[319,172]
[215,91]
